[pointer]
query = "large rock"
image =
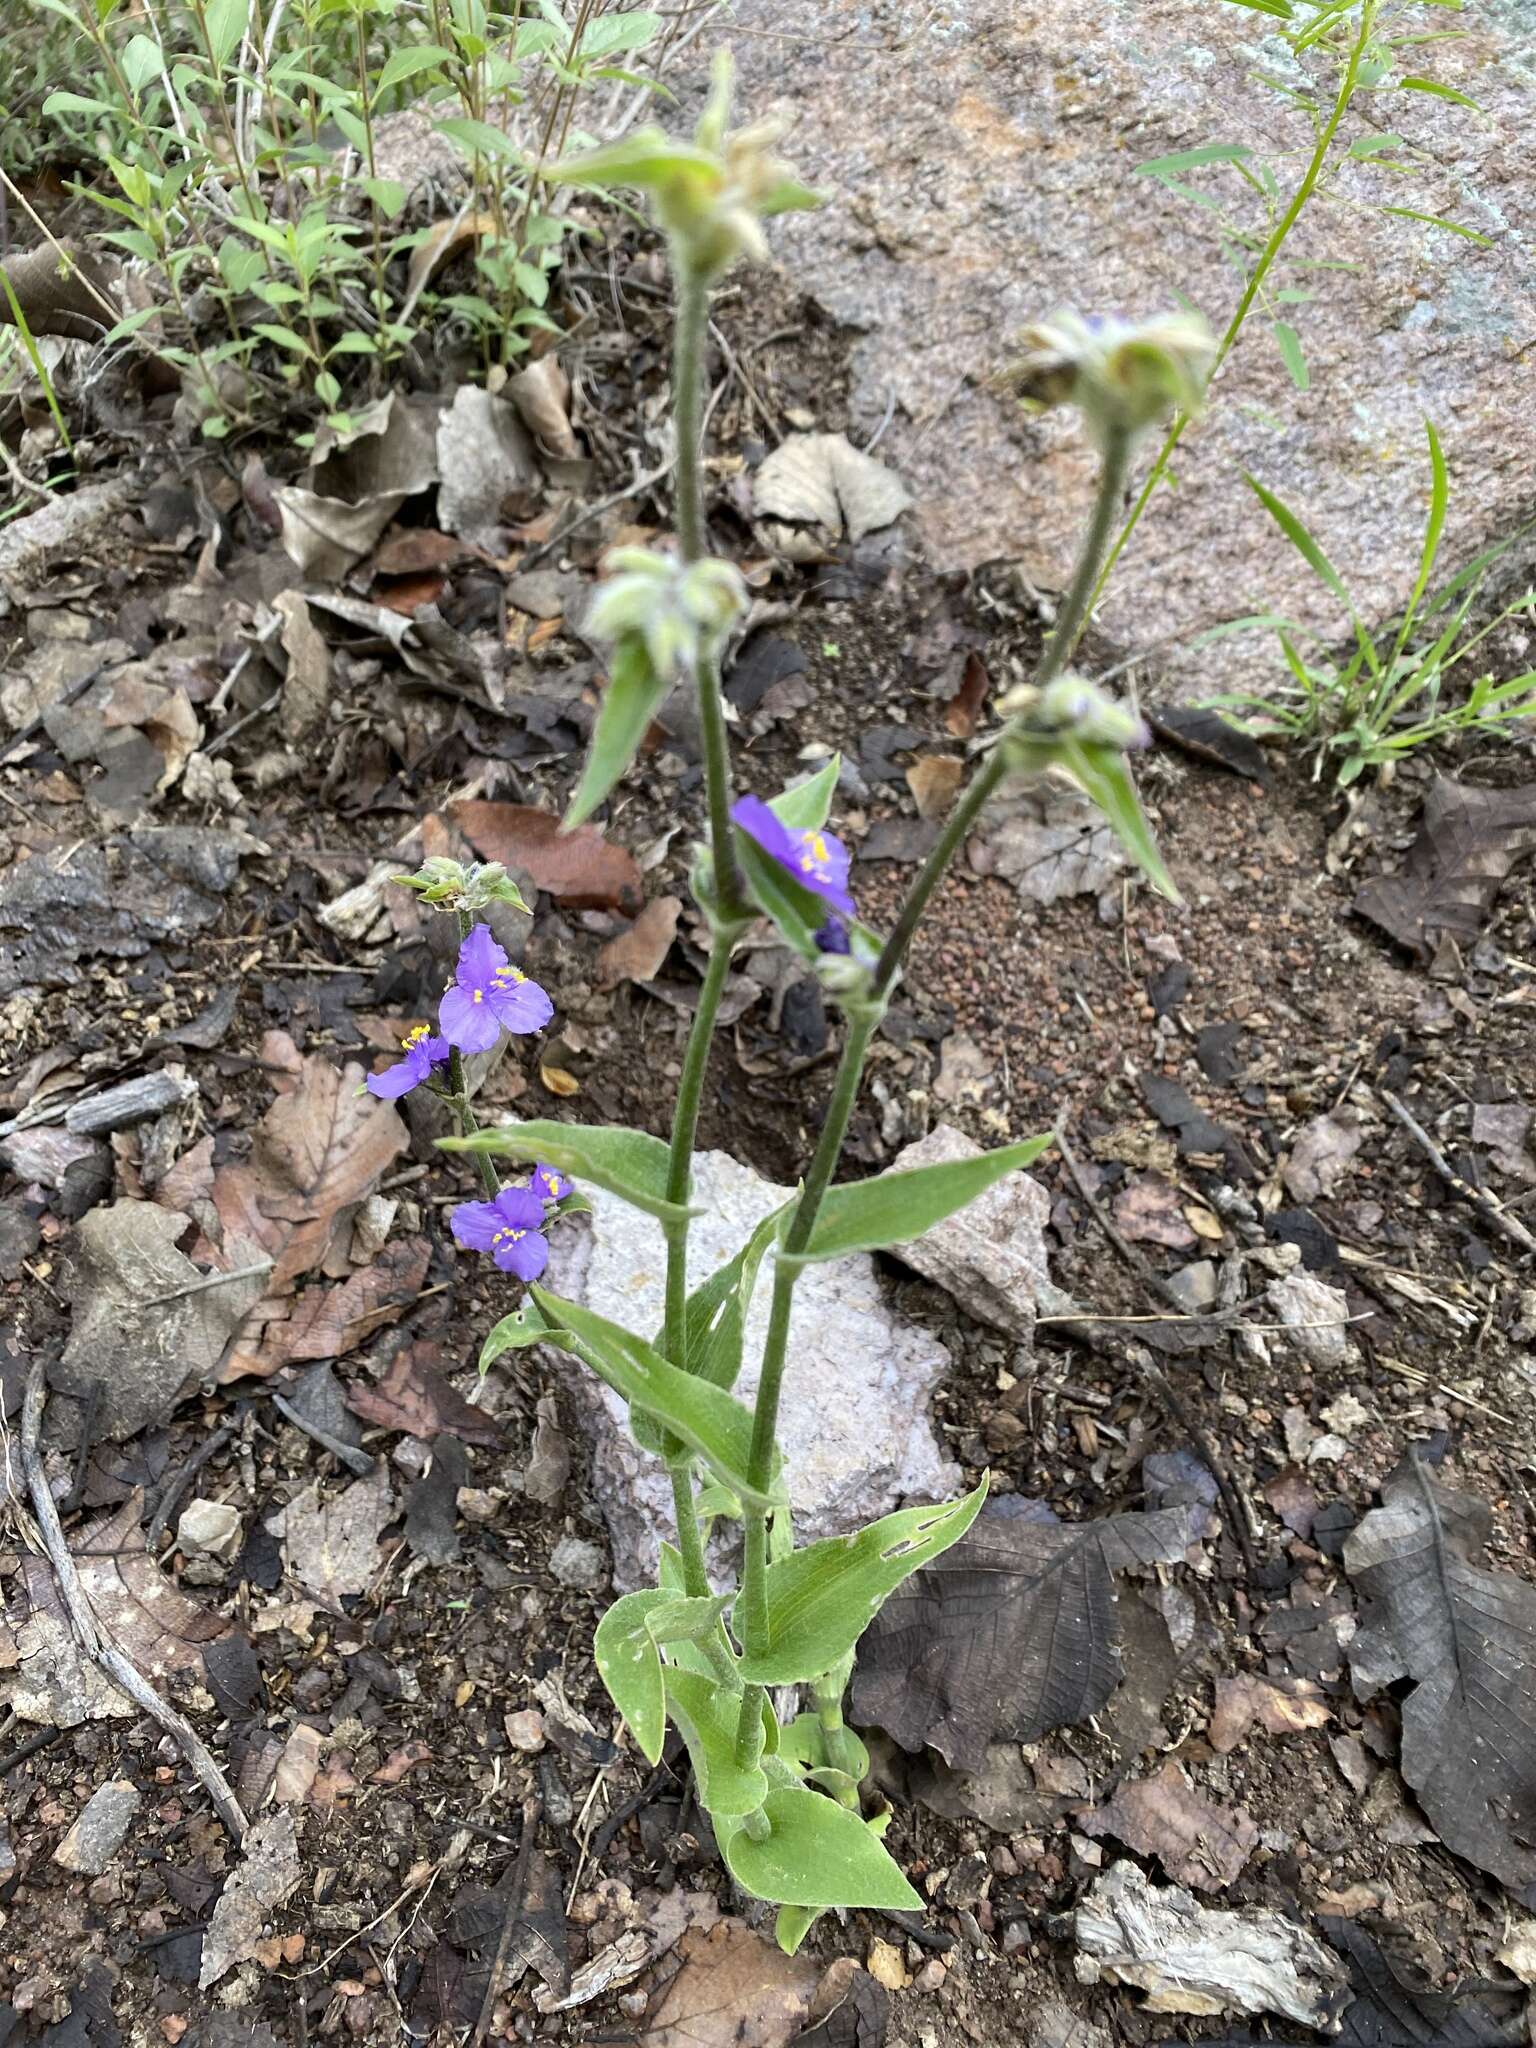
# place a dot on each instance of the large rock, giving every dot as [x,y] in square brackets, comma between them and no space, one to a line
[853,1420]
[991,1255]
[986,174]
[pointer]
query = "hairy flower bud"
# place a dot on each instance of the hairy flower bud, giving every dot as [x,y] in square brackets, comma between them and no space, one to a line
[1125,375]
[459,885]
[675,608]
[1071,708]
[709,195]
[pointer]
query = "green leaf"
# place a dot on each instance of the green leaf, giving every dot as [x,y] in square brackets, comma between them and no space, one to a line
[1434,220]
[74,103]
[629,1164]
[282,337]
[227,22]
[717,1308]
[1367,146]
[611,34]
[1439,92]
[1191,159]
[479,138]
[805,806]
[1288,341]
[1301,540]
[712,1423]
[894,1208]
[646,158]
[822,1598]
[793,1924]
[817,1854]
[387,194]
[1105,774]
[706,1716]
[142,60]
[527,1325]
[804,1741]
[629,1664]
[634,695]
[410,63]
[1434,526]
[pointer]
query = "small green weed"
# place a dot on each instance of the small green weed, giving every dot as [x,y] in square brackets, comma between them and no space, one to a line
[1385,698]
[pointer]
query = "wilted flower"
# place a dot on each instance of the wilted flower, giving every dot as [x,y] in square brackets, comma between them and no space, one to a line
[1124,374]
[490,996]
[422,1053]
[817,860]
[670,606]
[510,1228]
[709,195]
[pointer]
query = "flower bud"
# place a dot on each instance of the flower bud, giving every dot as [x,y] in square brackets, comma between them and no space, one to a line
[1125,375]
[1070,708]
[453,885]
[709,195]
[675,608]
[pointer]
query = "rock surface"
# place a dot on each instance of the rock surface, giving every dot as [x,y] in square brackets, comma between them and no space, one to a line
[853,1423]
[991,1256]
[979,157]
[98,1833]
[211,1525]
[1316,1317]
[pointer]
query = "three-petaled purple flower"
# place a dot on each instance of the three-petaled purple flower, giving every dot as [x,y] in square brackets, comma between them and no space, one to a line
[817,860]
[511,1228]
[422,1052]
[489,995]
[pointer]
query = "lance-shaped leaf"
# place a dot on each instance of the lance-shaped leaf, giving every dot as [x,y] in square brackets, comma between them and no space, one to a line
[806,806]
[526,1325]
[895,1208]
[821,1599]
[717,1309]
[1105,775]
[1466,1637]
[1012,1632]
[817,1854]
[708,1420]
[634,695]
[628,1646]
[706,1716]
[629,1164]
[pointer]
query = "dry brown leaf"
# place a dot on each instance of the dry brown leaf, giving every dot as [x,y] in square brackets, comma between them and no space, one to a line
[1148,1211]
[297,1766]
[637,955]
[328,1322]
[1197,1842]
[542,393]
[1467,844]
[267,1872]
[322,1146]
[400,1762]
[165,717]
[332,1547]
[306,693]
[580,869]
[415,1396]
[733,1989]
[444,241]
[933,780]
[1282,1709]
[963,711]
[823,480]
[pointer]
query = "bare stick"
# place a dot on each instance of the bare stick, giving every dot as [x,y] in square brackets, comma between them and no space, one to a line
[533,1813]
[1497,1219]
[105,1655]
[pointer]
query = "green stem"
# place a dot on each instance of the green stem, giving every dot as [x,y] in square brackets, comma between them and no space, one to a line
[1271,250]
[850,1070]
[688,413]
[689,1541]
[458,1090]
[685,1124]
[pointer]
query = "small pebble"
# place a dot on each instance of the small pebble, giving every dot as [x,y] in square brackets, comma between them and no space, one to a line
[930,1977]
[885,1965]
[525,1730]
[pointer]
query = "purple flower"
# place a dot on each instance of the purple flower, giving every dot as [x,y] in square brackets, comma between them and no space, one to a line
[489,996]
[511,1229]
[422,1053]
[549,1184]
[833,937]
[817,861]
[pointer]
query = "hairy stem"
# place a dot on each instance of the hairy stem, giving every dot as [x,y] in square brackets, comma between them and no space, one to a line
[1316,165]
[688,413]
[685,1124]
[850,1072]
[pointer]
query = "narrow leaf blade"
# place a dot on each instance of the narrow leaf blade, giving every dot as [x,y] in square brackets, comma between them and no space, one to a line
[634,695]
[895,1208]
[629,1164]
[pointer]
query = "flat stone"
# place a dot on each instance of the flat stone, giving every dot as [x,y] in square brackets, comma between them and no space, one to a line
[990,1256]
[986,175]
[1316,1317]
[853,1421]
[99,1832]
[77,1169]
[213,1526]
[1195,1286]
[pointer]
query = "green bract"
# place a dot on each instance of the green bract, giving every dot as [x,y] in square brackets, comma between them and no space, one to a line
[709,195]
[1124,375]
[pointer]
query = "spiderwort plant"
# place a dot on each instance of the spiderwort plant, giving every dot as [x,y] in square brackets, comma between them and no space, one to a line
[784,1800]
